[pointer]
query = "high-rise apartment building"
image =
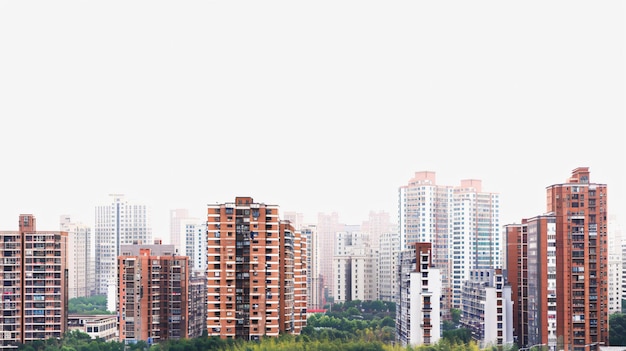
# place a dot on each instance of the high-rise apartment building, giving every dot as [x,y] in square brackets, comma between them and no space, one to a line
[615,283]
[197,303]
[80,258]
[300,288]
[557,264]
[461,222]
[35,279]
[418,318]
[389,248]
[153,293]
[195,239]
[256,272]
[117,223]
[487,308]
[354,268]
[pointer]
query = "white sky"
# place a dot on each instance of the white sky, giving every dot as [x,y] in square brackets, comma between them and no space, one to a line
[316,106]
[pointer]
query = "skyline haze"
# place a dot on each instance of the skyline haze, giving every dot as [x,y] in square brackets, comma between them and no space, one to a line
[328,106]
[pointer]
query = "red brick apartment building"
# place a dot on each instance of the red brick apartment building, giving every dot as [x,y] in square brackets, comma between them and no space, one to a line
[256,272]
[557,265]
[34,284]
[152,293]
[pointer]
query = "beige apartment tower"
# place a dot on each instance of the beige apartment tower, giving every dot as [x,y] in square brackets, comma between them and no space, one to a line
[256,272]
[34,292]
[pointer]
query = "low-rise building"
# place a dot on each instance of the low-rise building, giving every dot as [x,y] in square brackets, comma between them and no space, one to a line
[97,326]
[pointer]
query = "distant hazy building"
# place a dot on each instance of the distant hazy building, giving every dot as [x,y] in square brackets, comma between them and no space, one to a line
[117,223]
[296,219]
[487,309]
[153,294]
[34,283]
[80,258]
[177,228]
[377,224]
[462,223]
[389,249]
[327,227]
[315,289]
[418,318]
[256,272]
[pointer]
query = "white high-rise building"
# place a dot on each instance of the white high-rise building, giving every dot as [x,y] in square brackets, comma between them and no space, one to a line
[354,268]
[389,248]
[315,289]
[462,223]
[195,235]
[117,223]
[80,258]
[418,317]
[615,283]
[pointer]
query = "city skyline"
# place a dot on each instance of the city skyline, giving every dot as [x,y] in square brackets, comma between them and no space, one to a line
[317,107]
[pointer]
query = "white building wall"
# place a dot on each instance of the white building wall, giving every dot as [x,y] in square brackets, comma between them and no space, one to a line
[491,309]
[615,283]
[417,313]
[195,243]
[80,258]
[387,266]
[116,224]
[342,279]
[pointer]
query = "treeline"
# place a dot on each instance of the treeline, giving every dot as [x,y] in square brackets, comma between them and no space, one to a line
[78,341]
[362,309]
[88,305]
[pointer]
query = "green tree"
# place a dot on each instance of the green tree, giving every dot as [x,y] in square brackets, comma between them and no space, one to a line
[617,329]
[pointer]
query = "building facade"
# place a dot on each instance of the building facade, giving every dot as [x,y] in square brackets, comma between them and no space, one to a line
[558,268]
[315,288]
[615,283]
[153,293]
[389,248]
[354,268]
[487,308]
[256,272]
[418,312]
[35,280]
[177,231]
[462,223]
[195,239]
[117,223]
[96,326]
[80,258]
[197,303]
